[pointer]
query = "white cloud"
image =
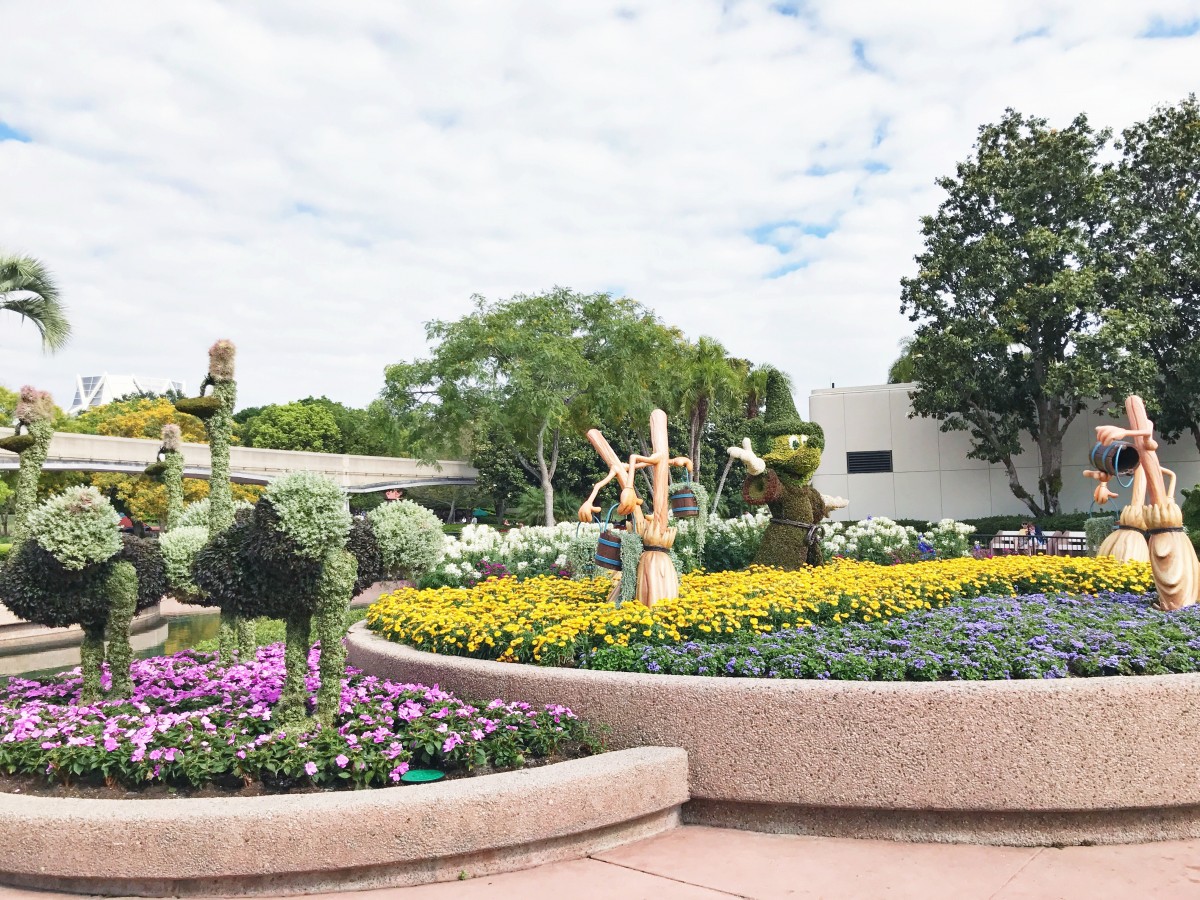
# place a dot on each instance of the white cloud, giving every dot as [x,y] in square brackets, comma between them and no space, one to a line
[316,180]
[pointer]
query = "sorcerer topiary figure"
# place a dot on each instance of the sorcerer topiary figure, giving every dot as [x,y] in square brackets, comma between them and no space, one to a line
[73,568]
[35,413]
[236,636]
[168,469]
[781,478]
[287,559]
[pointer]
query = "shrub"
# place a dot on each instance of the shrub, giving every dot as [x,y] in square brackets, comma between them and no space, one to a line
[876,539]
[311,510]
[732,543]
[1097,529]
[36,587]
[949,538]
[196,514]
[410,538]
[1191,508]
[78,526]
[179,549]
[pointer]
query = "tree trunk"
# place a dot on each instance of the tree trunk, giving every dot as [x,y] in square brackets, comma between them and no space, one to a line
[1196,435]
[699,420]
[721,486]
[546,471]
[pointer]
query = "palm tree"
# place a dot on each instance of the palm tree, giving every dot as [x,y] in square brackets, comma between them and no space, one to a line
[904,368]
[754,386]
[709,376]
[27,288]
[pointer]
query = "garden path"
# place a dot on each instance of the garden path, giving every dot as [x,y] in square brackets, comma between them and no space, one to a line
[694,863]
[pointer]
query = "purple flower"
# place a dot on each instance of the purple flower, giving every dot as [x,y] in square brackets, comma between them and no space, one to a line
[311,768]
[342,760]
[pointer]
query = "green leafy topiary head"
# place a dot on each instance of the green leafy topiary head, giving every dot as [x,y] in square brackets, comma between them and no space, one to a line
[783,421]
[78,527]
[311,510]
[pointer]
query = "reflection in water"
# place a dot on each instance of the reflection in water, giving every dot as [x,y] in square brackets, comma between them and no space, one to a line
[182,633]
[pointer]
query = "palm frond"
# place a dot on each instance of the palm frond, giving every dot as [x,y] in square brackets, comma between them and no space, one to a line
[37,298]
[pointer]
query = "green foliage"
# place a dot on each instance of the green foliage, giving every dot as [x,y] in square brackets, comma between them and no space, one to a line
[121,590]
[706,376]
[78,527]
[172,478]
[38,588]
[145,555]
[362,545]
[32,459]
[296,426]
[1097,529]
[1010,293]
[731,544]
[338,574]
[312,512]
[220,432]
[27,288]
[1061,522]
[197,514]
[1191,508]
[409,537]
[530,508]
[1156,241]
[533,368]
[179,548]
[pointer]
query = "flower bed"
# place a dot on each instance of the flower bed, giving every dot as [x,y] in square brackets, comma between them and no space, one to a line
[191,723]
[556,622]
[1035,636]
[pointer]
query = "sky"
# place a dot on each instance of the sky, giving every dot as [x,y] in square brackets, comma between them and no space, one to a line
[316,180]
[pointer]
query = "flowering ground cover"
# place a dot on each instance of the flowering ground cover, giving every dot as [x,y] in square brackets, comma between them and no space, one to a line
[191,723]
[1035,636]
[554,621]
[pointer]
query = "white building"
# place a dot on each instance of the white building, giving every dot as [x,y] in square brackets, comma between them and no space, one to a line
[887,464]
[96,390]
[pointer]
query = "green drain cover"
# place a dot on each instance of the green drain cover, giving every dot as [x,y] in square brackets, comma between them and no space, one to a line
[421,776]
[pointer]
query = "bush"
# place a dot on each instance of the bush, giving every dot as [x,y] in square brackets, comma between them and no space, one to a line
[78,526]
[1191,509]
[196,514]
[1097,529]
[147,559]
[409,536]
[311,510]
[179,548]
[732,543]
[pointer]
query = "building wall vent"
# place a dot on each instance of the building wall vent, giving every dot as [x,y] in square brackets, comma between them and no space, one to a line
[863,462]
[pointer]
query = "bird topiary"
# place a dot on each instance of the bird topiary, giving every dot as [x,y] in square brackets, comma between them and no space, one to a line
[287,559]
[34,414]
[72,568]
[168,469]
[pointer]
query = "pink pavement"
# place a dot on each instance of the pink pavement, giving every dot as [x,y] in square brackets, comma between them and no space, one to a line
[709,863]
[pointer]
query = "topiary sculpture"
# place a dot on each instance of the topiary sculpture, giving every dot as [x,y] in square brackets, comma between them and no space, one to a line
[73,568]
[168,469]
[781,478]
[216,411]
[287,560]
[35,413]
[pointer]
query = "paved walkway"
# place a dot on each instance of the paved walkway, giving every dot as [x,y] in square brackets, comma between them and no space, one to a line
[711,863]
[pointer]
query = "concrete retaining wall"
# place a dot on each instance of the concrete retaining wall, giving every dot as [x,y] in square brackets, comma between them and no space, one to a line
[1102,760]
[351,840]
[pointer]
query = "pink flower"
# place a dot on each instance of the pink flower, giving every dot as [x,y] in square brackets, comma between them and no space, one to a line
[311,768]
[342,760]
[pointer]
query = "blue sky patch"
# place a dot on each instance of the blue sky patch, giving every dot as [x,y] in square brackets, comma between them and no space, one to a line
[859,48]
[1163,28]
[769,234]
[8,133]
[1031,34]
[786,269]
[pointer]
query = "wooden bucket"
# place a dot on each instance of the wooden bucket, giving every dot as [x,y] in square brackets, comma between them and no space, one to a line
[608,547]
[1117,458]
[684,504]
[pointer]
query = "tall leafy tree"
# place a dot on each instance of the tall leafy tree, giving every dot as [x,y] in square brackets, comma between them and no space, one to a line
[1010,294]
[902,371]
[1157,240]
[534,368]
[707,376]
[27,288]
[296,426]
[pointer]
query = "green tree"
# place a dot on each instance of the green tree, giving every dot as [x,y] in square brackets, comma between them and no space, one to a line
[27,288]
[1010,294]
[296,426]
[707,375]
[1157,237]
[534,368]
[902,370]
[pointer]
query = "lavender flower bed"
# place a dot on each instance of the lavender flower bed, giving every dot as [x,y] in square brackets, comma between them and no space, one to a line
[1034,636]
[191,723]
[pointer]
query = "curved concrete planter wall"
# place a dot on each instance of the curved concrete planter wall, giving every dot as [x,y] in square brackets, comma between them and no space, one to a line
[1102,760]
[347,840]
